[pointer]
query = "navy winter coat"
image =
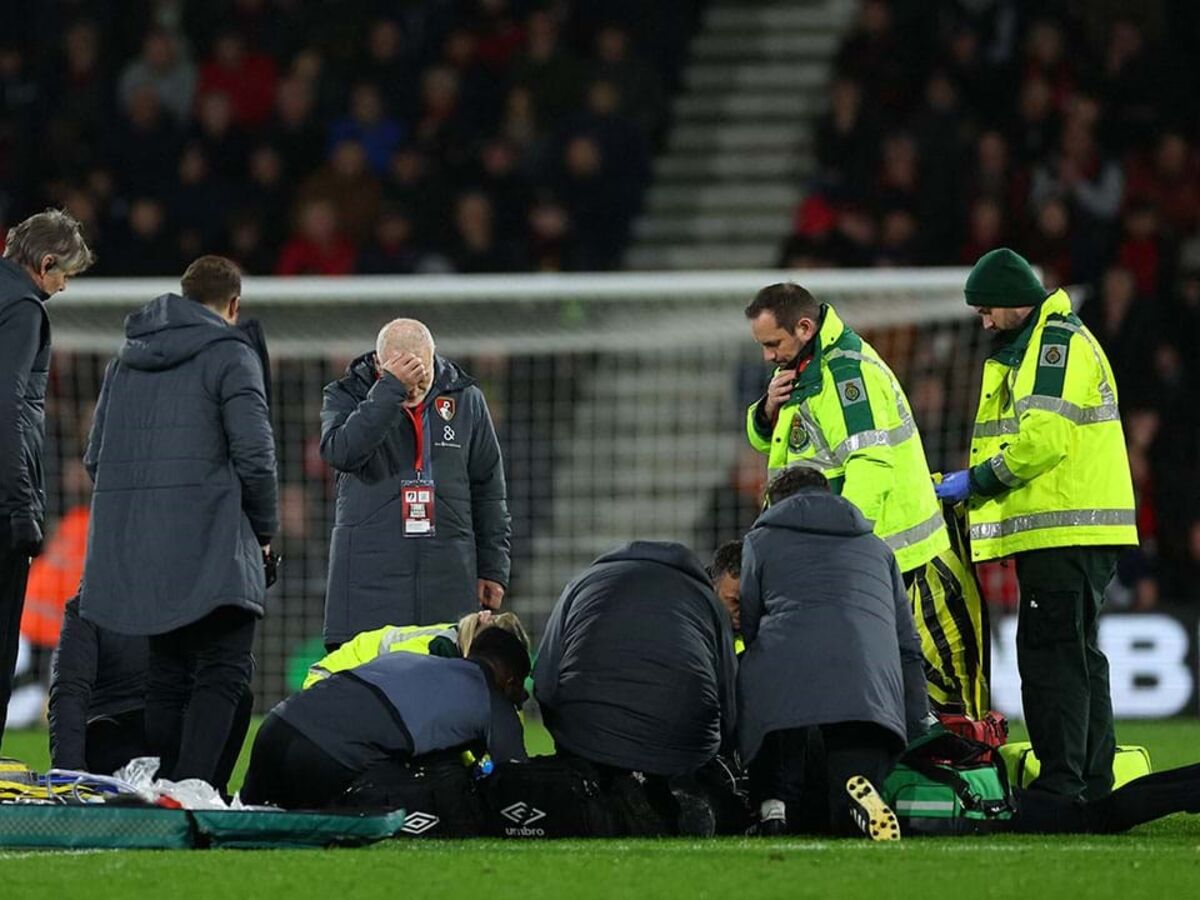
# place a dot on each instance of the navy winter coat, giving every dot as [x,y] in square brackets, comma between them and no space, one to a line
[183,458]
[377,576]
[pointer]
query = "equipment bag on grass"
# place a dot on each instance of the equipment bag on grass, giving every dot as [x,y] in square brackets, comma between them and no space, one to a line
[440,797]
[945,784]
[1129,762]
[547,797]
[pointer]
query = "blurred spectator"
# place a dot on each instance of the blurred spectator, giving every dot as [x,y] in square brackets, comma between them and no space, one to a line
[1126,328]
[846,140]
[392,252]
[247,245]
[595,209]
[508,188]
[224,143]
[550,245]
[144,245]
[413,186]
[985,230]
[1046,60]
[294,130]
[479,91]
[246,78]
[635,80]
[552,74]
[200,200]
[390,66]
[1142,250]
[1133,84]
[441,130]
[346,183]
[875,57]
[370,125]
[1051,244]
[165,67]
[476,246]
[1169,182]
[318,247]
[268,191]
[144,146]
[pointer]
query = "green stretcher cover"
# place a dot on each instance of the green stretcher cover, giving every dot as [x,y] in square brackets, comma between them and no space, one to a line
[75,827]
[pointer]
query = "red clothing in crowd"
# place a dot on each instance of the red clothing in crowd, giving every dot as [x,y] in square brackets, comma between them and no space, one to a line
[300,256]
[250,87]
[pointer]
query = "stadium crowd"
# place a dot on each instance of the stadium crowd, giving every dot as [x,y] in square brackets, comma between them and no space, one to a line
[330,139]
[1062,130]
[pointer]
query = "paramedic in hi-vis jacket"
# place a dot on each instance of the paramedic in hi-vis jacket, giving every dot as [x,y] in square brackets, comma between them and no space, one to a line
[834,405]
[1049,486]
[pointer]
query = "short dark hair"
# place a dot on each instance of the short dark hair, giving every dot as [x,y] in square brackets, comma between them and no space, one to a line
[55,233]
[212,280]
[726,561]
[793,480]
[503,650]
[787,301]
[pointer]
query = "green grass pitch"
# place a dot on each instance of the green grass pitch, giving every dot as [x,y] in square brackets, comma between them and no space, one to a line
[1160,861]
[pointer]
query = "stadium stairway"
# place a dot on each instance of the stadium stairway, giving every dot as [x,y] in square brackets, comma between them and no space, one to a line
[740,145]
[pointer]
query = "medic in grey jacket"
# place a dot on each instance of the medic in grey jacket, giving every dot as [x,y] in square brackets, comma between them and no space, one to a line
[395,562]
[829,634]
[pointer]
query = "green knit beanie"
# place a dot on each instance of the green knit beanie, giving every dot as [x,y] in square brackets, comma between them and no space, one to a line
[1005,279]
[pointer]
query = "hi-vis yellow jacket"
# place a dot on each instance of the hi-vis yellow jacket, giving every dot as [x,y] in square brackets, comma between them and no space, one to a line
[849,418]
[428,640]
[1048,462]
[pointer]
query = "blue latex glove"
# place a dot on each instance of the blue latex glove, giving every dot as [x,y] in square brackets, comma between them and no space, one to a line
[955,487]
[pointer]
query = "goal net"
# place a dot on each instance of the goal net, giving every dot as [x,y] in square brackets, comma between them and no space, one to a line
[619,400]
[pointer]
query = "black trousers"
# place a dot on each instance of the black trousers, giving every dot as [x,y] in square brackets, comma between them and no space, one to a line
[289,770]
[112,741]
[807,768]
[1141,800]
[197,676]
[14,572]
[1064,674]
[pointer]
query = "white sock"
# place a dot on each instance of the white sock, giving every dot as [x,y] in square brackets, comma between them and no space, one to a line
[772,809]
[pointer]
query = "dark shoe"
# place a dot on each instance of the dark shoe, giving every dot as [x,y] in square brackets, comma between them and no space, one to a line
[773,827]
[696,817]
[872,816]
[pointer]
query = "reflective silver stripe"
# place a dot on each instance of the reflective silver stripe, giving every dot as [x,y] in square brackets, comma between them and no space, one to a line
[1080,415]
[924,806]
[772,471]
[916,533]
[878,438]
[995,429]
[315,671]
[1001,470]
[1106,391]
[1065,519]
[823,459]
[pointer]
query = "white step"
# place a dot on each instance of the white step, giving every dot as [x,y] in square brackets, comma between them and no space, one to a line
[800,46]
[791,16]
[748,195]
[665,257]
[755,76]
[732,166]
[757,137]
[736,227]
[751,106]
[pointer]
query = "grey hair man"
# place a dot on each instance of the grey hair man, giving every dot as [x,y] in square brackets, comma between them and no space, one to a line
[422,527]
[41,255]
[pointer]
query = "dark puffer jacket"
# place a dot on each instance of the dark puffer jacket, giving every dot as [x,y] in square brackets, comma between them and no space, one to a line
[24,371]
[377,576]
[636,668]
[183,457]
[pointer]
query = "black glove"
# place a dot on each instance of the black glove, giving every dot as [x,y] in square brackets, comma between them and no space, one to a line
[271,564]
[25,535]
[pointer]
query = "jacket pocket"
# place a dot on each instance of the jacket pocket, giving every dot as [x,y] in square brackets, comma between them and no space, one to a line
[1050,617]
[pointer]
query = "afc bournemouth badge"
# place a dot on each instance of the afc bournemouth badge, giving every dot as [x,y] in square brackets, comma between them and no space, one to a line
[797,436]
[444,407]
